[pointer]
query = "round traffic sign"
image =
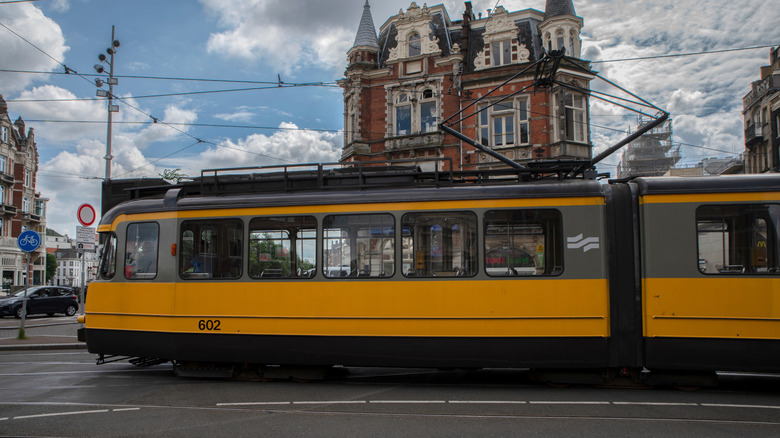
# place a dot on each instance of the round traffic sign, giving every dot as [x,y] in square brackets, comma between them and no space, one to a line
[28,241]
[86,214]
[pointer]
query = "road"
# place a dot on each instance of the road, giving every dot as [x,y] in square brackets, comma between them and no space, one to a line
[63,393]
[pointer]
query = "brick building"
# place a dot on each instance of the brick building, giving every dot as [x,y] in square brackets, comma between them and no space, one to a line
[21,208]
[761,113]
[423,68]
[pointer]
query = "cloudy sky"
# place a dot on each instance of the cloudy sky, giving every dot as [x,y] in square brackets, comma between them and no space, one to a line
[210,69]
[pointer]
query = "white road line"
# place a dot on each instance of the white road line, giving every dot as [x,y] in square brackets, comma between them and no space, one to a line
[656,404]
[331,402]
[563,402]
[721,405]
[254,403]
[411,402]
[126,409]
[58,414]
[488,402]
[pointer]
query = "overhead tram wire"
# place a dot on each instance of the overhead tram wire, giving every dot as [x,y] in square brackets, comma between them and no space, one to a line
[155,119]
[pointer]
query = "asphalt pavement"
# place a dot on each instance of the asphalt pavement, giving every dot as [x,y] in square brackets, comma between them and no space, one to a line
[41,332]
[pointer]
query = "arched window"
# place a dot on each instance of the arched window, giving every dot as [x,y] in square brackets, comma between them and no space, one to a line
[428,112]
[403,115]
[414,45]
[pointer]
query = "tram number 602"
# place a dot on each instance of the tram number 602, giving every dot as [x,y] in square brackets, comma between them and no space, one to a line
[211,325]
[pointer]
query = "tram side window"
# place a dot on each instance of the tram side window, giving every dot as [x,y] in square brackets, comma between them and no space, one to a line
[211,248]
[282,247]
[108,258]
[523,242]
[738,239]
[360,245]
[141,243]
[439,244]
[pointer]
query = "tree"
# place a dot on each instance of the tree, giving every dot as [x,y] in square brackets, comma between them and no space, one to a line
[173,176]
[51,267]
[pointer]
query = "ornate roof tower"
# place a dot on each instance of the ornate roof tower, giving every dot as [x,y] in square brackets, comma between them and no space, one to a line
[554,8]
[364,51]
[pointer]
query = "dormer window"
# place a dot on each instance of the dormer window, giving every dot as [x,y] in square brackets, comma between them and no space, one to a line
[414,45]
[502,45]
[501,52]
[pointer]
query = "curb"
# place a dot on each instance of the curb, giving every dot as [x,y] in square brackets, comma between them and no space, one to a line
[62,346]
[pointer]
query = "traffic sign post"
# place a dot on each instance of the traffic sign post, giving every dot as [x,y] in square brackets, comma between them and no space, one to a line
[28,241]
[85,241]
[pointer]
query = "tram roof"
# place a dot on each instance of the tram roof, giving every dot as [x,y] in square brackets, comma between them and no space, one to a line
[708,184]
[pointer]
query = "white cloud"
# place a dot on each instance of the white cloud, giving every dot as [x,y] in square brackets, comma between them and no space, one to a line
[28,22]
[288,34]
[238,116]
[289,145]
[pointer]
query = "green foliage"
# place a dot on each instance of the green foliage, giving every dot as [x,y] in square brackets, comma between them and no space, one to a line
[51,267]
[174,175]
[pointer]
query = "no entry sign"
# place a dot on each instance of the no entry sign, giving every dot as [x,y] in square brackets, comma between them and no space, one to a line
[86,214]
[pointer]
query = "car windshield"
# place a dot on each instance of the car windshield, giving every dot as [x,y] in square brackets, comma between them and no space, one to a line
[29,291]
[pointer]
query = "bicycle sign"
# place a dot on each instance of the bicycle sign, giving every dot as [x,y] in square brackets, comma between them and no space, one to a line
[28,241]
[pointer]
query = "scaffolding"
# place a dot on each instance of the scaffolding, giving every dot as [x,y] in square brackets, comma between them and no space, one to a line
[652,154]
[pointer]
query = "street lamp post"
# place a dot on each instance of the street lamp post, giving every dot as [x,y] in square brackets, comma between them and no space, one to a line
[110,94]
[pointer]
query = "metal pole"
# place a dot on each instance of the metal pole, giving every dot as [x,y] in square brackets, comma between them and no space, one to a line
[83,282]
[108,156]
[24,299]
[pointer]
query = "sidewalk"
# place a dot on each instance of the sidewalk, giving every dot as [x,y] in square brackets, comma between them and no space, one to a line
[42,334]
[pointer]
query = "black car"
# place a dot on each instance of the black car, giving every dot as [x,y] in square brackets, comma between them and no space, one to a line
[41,299]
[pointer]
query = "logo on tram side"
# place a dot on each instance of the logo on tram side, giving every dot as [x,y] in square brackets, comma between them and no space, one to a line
[586,243]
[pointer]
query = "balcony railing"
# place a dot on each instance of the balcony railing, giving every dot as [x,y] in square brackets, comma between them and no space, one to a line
[7,210]
[753,134]
[760,89]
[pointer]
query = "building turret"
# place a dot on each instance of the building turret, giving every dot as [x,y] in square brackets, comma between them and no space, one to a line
[561,28]
[363,53]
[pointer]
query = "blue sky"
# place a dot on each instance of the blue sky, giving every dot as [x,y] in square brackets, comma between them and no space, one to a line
[304,42]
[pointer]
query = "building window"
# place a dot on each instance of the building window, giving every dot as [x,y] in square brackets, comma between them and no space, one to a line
[570,123]
[416,112]
[25,205]
[504,124]
[27,178]
[403,115]
[428,112]
[2,163]
[5,134]
[501,52]
[2,195]
[1,227]
[414,45]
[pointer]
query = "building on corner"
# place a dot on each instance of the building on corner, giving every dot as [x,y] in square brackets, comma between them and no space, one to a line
[761,113]
[21,207]
[423,68]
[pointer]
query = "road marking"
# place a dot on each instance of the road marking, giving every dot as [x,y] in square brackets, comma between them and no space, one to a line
[488,402]
[330,402]
[57,414]
[656,404]
[720,405]
[254,403]
[126,409]
[411,402]
[563,402]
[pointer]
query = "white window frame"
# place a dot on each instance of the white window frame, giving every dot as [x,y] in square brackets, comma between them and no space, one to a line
[5,134]
[420,106]
[570,123]
[492,123]
[502,56]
